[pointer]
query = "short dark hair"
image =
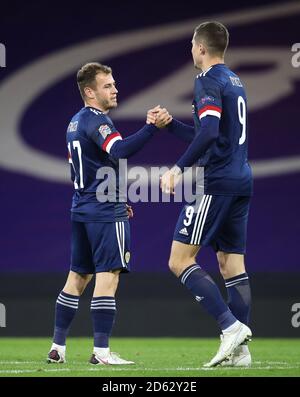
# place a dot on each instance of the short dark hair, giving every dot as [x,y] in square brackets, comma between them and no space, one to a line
[86,75]
[215,36]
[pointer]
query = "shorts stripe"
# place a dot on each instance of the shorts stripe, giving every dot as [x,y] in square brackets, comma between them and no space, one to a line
[123,240]
[200,218]
[120,237]
[197,218]
[202,223]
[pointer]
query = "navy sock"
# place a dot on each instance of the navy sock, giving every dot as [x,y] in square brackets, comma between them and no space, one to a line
[208,294]
[103,309]
[239,296]
[65,310]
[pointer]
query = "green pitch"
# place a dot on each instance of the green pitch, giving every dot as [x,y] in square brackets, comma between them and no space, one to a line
[153,357]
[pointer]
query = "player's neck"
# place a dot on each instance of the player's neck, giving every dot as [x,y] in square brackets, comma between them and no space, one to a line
[208,63]
[95,106]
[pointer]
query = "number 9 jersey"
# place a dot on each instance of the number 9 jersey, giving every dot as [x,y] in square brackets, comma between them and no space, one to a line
[218,92]
[219,217]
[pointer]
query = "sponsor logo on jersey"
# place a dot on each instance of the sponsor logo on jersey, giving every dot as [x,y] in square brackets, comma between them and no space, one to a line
[199,298]
[104,130]
[127,256]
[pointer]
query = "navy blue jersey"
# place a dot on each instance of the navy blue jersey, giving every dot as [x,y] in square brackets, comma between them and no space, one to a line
[219,93]
[90,136]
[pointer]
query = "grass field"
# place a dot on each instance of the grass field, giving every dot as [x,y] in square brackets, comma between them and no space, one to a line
[158,357]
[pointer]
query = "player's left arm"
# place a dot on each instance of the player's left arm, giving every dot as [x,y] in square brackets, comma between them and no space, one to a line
[204,139]
[209,109]
[183,131]
[207,135]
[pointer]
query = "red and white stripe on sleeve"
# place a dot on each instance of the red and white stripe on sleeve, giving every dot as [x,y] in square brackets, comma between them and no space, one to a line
[210,110]
[110,140]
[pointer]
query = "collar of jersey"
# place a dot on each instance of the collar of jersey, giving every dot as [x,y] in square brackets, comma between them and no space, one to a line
[92,107]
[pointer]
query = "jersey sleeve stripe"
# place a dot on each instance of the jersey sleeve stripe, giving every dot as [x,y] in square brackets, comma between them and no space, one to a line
[210,113]
[109,141]
[209,107]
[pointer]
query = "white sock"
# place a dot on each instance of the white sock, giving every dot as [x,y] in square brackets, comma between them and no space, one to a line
[101,351]
[232,327]
[60,348]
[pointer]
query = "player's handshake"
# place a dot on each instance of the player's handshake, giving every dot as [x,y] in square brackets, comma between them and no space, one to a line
[158,116]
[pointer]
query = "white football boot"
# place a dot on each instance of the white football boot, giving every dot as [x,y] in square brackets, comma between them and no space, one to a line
[240,357]
[108,359]
[57,354]
[229,342]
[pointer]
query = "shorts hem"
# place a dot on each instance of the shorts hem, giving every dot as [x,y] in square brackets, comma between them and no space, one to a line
[229,251]
[81,270]
[123,270]
[85,271]
[182,241]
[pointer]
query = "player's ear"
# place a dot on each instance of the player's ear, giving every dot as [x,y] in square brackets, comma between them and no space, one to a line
[89,93]
[201,49]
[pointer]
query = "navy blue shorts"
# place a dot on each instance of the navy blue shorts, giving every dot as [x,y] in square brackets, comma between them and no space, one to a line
[100,247]
[218,221]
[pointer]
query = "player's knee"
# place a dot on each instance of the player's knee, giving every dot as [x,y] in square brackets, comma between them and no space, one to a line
[77,282]
[115,282]
[223,270]
[172,265]
[174,262]
[106,283]
[176,265]
[82,287]
[222,264]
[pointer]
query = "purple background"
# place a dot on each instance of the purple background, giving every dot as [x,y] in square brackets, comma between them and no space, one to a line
[35,232]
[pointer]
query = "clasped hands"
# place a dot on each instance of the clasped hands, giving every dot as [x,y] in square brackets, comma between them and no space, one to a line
[160,117]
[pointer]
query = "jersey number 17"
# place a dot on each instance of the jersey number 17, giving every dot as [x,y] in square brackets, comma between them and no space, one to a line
[76,146]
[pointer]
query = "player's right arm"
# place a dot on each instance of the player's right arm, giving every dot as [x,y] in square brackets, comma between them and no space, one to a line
[128,146]
[106,137]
